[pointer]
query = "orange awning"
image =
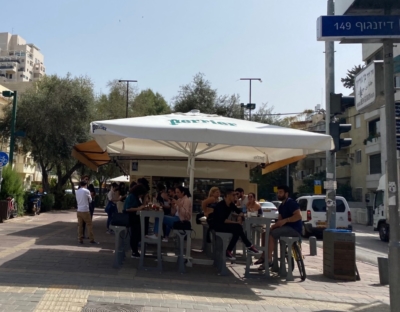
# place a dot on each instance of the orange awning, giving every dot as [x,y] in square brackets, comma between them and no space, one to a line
[90,154]
[281,163]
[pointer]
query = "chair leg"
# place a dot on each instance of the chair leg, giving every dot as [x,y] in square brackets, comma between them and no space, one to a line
[181,258]
[275,265]
[289,275]
[282,269]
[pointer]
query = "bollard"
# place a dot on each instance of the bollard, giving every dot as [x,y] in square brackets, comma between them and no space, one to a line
[383,266]
[313,245]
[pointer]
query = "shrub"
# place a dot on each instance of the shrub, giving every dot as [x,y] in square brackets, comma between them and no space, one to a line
[68,202]
[47,202]
[13,185]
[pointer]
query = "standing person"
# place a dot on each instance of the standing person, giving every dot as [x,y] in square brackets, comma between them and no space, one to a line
[91,207]
[181,210]
[83,199]
[113,197]
[220,223]
[132,205]
[208,204]
[289,223]
[242,198]
[146,199]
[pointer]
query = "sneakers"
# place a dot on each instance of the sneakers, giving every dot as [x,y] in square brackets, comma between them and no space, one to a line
[262,266]
[229,255]
[80,241]
[110,232]
[259,261]
[135,255]
[153,236]
[165,240]
[252,250]
[94,242]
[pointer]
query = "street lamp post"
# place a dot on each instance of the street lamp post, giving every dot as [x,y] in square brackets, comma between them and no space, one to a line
[127,93]
[13,120]
[250,106]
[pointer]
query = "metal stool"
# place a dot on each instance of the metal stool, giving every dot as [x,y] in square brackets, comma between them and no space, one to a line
[181,234]
[287,241]
[119,253]
[221,244]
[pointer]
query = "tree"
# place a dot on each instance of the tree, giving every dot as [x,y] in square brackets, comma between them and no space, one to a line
[149,103]
[54,115]
[308,183]
[196,95]
[105,173]
[113,105]
[349,80]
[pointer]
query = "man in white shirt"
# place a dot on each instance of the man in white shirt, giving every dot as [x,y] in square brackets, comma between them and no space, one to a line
[83,200]
[242,198]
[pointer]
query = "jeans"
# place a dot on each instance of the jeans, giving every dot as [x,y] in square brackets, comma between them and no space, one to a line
[169,223]
[236,230]
[111,211]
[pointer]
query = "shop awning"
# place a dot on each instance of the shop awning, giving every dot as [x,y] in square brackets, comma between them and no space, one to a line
[90,154]
[281,163]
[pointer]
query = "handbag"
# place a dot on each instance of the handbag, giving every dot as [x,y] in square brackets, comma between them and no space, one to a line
[111,207]
[120,219]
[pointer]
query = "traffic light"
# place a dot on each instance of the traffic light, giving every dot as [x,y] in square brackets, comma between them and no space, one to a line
[335,130]
[338,103]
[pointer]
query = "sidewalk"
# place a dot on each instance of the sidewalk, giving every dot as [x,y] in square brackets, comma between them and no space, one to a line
[42,268]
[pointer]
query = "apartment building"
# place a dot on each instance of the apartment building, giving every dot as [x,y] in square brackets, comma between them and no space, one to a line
[19,61]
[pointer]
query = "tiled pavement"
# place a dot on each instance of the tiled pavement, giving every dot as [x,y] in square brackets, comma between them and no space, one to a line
[43,269]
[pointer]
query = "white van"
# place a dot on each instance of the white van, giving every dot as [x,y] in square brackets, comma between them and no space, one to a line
[313,211]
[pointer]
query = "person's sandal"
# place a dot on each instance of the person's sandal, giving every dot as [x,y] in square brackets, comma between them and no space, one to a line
[259,261]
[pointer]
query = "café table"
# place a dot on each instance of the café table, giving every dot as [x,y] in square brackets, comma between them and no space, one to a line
[156,214]
[250,225]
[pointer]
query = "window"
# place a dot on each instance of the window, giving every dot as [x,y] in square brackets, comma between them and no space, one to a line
[379,198]
[303,204]
[358,157]
[358,194]
[397,82]
[375,164]
[319,205]
[374,127]
[358,121]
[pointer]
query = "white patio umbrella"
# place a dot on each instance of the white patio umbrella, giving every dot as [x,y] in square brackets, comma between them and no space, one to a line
[120,179]
[195,135]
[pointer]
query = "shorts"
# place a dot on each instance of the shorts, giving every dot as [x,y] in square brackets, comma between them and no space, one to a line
[284,231]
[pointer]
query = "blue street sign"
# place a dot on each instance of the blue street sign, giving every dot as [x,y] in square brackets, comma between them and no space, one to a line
[360,28]
[317,182]
[3,159]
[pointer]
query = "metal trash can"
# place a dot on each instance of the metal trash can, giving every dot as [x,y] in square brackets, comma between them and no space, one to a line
[3,210]
[339,259]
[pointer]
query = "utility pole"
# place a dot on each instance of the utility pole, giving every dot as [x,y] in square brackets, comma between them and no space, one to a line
[330,156]
[392,176]
[249,106]
[127,93]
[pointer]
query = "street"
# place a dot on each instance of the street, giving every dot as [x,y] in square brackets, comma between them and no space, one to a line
[369,246]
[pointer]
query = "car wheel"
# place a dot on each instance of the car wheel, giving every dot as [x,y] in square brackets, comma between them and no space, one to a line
[304,232]
[383,232]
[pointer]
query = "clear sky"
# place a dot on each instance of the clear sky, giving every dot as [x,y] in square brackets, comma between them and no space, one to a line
[164,43]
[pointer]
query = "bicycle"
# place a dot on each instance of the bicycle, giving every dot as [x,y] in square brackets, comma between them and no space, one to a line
[12,210]
[298,257]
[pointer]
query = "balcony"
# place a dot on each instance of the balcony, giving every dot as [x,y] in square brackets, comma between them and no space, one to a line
[9,67]
[25,168]
[36,68]
[372,145]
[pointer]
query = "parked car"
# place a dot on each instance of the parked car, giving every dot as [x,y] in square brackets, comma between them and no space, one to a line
[313,211]
[277,203]
[269,210]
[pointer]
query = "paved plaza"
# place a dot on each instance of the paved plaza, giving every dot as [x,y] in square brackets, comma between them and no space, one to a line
[43,268]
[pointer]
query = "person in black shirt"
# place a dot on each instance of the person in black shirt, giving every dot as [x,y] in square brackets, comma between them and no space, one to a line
[289,223]
[221,223]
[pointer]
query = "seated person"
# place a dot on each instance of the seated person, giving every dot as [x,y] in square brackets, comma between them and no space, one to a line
[163,199]
[252,207]
[289,223]
[181,211]
[208,204]
[219,221]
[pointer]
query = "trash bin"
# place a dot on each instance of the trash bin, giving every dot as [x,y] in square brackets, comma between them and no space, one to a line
[3,210]
[339,258]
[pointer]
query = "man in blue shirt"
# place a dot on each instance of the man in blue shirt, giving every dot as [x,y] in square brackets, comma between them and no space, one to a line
[289,223]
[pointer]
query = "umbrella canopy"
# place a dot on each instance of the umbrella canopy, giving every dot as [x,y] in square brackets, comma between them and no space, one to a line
[120,179]
[213,137]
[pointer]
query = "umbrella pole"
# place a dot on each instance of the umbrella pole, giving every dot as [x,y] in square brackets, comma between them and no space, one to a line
[191,186]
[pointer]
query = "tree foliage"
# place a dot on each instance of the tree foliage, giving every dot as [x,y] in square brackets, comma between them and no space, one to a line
[54,115]
[349,80]
[149,103]
[13,185]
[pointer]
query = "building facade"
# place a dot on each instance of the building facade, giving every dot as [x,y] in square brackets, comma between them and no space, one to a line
[19,61]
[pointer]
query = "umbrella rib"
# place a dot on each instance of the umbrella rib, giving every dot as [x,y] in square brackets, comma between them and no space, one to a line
[207,150]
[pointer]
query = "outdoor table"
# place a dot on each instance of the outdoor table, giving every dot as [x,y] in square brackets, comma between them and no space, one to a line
[148,214]
[249,223]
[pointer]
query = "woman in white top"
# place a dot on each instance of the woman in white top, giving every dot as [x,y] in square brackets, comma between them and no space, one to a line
[252,206]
